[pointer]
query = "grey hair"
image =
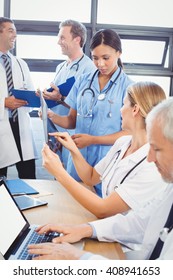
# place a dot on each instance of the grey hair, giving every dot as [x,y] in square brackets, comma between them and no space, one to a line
[77,29]
[163,114]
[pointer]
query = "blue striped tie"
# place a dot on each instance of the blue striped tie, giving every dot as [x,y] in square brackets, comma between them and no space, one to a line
[10,85]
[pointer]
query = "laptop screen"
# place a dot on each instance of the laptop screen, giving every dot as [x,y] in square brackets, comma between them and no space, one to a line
[12,221]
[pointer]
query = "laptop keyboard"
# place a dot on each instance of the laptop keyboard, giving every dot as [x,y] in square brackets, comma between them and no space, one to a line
[36,238]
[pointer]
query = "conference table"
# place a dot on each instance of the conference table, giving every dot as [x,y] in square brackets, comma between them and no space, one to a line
[63,208]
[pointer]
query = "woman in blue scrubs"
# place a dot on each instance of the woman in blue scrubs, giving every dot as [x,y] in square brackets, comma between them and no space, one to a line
[95,101]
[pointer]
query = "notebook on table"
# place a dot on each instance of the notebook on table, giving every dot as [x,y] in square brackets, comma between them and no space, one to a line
[15,231]
[17,186]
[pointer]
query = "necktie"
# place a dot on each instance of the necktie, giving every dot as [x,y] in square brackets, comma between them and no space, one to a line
[9,81]
[158,247]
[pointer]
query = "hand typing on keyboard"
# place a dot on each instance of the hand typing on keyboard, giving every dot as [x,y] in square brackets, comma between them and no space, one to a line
[52,251]
[34,239]
[65,233]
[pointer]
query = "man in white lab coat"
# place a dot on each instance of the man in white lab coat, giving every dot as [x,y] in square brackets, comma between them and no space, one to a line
[146,227]
[16,139]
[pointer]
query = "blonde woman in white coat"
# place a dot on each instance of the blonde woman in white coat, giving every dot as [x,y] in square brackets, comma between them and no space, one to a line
[25,159]
[128,179]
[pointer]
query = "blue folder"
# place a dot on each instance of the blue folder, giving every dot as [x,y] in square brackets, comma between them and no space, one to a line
[34,100]
[18,186]
[31,97]
[28,95]
[65,87]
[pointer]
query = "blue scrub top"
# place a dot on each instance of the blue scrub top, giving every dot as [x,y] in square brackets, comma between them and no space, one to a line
[99,123]
[63,72]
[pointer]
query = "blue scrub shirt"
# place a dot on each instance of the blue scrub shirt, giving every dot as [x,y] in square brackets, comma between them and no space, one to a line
[99,123]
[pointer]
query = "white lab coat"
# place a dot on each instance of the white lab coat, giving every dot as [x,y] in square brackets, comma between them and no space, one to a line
[141,185]
[9,154]
[143,228]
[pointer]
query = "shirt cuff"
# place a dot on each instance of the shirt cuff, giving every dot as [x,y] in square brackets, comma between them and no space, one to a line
[94,234]
[86,256]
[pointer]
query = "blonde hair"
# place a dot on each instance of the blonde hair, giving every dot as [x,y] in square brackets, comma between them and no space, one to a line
[146,95]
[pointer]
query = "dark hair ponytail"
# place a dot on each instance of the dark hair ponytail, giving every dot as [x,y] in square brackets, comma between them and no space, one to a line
[107,37]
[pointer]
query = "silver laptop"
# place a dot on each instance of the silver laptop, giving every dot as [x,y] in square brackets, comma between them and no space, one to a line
[16,232]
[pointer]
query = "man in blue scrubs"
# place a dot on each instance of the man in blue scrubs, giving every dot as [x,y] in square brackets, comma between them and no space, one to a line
[71,38]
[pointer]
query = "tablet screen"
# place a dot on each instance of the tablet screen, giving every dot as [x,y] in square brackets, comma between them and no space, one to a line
[26,202]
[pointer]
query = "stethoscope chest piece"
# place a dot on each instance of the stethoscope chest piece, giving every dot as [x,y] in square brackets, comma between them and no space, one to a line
[101,96]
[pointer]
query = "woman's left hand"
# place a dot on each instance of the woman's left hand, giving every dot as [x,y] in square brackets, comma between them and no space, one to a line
[51,161]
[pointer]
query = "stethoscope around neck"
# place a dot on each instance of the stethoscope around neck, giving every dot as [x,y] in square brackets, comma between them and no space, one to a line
[111,165]
[100,97]
[73,66]
[23,77]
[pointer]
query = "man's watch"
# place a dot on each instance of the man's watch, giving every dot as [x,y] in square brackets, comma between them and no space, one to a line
[61,99]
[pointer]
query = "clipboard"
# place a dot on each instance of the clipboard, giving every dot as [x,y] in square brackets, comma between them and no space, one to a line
[65,87]
[27,95]
[32,99]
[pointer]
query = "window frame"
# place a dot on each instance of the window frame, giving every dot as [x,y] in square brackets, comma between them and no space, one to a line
[132,32]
